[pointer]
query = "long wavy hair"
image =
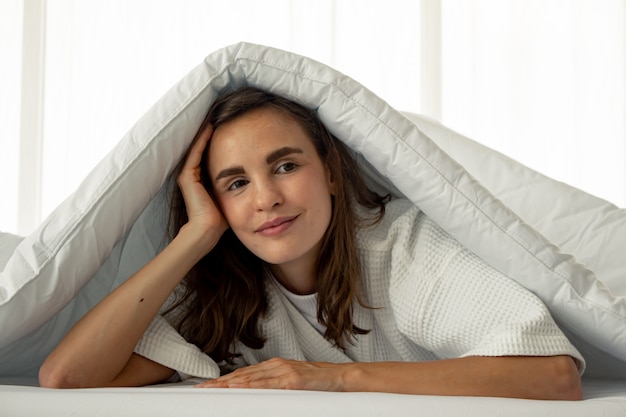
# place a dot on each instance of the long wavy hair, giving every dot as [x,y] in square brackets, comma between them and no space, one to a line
[223,296]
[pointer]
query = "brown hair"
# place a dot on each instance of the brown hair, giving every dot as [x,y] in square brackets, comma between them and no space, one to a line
[224,294]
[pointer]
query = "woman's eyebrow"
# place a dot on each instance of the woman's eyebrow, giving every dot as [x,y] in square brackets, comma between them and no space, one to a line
[281,152]
[229,172]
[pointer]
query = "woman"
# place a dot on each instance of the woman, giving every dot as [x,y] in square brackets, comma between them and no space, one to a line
[292,266]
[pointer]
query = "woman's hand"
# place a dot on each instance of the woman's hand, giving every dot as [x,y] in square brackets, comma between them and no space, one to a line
[203,214]
[280,373]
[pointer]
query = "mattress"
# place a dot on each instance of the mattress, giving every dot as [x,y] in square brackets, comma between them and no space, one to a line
[564,245]
[602,398]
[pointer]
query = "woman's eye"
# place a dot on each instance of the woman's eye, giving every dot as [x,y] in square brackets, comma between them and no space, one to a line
[286,167]
[237,184]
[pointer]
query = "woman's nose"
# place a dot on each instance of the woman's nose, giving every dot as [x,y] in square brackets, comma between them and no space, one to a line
[267,195]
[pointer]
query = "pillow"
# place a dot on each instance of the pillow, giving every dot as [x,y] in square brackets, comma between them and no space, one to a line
[113,223]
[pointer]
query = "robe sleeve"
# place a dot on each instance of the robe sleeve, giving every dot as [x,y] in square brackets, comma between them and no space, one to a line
[451,302]
[161,343]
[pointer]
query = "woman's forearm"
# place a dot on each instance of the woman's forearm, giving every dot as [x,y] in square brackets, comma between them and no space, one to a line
[98,347]
[554,377]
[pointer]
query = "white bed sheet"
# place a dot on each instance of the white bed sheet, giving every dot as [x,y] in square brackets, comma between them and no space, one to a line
[601,398]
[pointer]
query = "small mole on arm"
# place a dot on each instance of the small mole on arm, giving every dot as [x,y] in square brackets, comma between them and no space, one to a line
[141,301]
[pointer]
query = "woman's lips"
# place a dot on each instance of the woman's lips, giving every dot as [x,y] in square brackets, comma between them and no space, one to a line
[276,226]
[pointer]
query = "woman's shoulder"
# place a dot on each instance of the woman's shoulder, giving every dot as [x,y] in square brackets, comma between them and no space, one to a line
[394,208]
[400,207]
[401,215]
[403,224]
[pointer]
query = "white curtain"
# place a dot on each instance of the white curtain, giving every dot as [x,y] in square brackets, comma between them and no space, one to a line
[542,81]
[10,67]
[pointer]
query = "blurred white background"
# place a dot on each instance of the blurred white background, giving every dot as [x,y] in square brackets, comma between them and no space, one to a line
[542,81]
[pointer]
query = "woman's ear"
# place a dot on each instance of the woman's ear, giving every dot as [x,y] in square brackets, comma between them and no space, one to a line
[330,180]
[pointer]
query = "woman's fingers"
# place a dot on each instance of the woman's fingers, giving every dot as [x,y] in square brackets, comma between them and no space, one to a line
[201,209]
[281,374]
[191,171]
[194,156]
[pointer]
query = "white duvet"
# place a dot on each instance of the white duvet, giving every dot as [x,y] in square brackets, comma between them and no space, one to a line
[564,245]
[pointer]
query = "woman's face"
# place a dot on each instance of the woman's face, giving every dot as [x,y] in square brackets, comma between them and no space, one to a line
[273,189]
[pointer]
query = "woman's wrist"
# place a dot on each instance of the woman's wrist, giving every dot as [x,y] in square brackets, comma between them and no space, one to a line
[199,240]
[352,377]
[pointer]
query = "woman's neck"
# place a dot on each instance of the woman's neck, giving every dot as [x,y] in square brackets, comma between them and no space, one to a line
[295,277]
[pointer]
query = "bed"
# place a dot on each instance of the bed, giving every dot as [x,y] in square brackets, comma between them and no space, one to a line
[564,245]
